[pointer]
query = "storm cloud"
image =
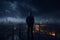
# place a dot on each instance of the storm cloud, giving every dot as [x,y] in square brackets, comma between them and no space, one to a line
[42,10]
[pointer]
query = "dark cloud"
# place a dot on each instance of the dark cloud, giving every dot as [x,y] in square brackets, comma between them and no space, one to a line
[41,9]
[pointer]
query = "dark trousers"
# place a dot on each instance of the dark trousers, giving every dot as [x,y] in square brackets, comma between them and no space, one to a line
[30,33]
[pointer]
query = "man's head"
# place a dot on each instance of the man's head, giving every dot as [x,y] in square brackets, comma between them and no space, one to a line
[30,14]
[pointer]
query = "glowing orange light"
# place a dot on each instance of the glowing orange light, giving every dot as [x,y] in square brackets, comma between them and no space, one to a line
[52,33]
[36,27]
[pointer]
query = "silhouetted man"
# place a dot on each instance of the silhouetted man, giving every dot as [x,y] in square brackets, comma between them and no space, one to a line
[30,23]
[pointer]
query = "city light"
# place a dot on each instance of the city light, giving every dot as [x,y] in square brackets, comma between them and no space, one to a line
[52,33]
[36,27]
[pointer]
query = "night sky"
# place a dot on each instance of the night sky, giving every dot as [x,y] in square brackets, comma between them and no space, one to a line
[17,10]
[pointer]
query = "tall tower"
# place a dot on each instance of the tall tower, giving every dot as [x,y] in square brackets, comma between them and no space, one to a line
[30,23]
